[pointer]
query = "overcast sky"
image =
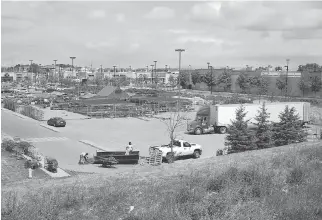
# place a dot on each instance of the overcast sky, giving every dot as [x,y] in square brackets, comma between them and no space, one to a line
[137,33]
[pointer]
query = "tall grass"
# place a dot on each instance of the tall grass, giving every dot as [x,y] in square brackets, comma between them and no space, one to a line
[287,186]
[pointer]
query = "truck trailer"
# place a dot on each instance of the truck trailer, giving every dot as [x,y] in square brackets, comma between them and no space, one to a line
[217,118]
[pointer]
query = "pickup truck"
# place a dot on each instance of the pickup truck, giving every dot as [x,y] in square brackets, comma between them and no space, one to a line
[181,148]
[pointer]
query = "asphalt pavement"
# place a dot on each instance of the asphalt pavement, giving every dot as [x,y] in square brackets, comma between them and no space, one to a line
[65,149]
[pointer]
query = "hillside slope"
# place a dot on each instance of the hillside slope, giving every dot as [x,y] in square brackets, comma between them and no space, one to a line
[276,183]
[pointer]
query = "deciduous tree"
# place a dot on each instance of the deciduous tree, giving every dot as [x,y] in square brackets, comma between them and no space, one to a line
[210,80]
[225,81]
[176,120]
[303,85]
[243,82]
[315,84]
[281,83]
[195,77]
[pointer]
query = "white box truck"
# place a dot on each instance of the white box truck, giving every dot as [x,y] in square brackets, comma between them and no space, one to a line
[216,118]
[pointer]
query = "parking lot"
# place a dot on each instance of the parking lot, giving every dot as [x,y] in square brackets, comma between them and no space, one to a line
[114,134]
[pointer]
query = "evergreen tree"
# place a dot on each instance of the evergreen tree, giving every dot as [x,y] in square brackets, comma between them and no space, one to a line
[264,131]
[289,130]
[239,137]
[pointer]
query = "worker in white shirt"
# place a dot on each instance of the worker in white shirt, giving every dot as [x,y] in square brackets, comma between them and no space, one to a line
[129,148]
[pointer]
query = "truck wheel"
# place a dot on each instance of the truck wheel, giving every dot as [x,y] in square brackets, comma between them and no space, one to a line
[198,131]
[170,158]
[222,130]
[196,154]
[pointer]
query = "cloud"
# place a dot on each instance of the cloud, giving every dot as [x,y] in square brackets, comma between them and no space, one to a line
[160,13]
[98,45]
[205,11]
[198,39]
[120,17]
[97,14]
[259,16]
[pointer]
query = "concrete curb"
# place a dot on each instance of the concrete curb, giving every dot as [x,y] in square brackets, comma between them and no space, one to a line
[20,115]
[48,127]
[60,172]
[92,144]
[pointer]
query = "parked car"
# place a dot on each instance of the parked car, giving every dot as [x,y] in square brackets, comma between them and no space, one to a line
[56,122]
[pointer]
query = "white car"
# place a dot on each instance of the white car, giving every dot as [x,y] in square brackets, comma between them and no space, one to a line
[181,148]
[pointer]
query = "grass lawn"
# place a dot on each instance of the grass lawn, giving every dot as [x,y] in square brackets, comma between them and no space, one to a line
[276,183]
[13,170]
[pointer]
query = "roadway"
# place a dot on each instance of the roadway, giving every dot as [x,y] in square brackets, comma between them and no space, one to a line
[53,144]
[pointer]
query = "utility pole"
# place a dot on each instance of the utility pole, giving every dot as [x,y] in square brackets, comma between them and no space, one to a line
[211,79]
[190,78]
[72,58]
[114,70]
[55,69]
[155,72]
[286,82]
[180,51]
[152,73]
[32,74]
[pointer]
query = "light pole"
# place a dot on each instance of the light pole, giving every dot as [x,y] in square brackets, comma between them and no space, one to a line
[208,65]
[147,68]
[166,68]
[72,58]
[287,62]
[211,80]
[180,51]
[31,69]
[55,69]
[155,72]
[190,78]
[152,73]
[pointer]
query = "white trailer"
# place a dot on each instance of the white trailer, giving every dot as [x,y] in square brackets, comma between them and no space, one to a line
[219,117]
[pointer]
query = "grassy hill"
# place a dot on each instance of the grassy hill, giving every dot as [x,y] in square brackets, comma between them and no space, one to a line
[276,183]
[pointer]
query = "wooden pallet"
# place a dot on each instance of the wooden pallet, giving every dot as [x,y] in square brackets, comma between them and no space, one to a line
[155,158]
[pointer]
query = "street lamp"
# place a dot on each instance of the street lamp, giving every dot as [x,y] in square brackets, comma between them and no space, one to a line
[114,70]
[31,69]
[180,51]
[72,58]
[152,73]
[55,68]
[287,62]
[190,79]
[211,80]
[155,71]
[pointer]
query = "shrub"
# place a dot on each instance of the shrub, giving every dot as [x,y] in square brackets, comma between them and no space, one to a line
[8,145]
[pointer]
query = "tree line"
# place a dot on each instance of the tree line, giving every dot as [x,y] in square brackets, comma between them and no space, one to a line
[246,82]
[267,134]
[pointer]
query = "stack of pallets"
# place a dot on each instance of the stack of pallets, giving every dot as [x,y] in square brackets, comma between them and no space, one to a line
[155,158]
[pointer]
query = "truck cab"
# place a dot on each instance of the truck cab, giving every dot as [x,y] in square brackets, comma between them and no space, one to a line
[202,123]
[181,148]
